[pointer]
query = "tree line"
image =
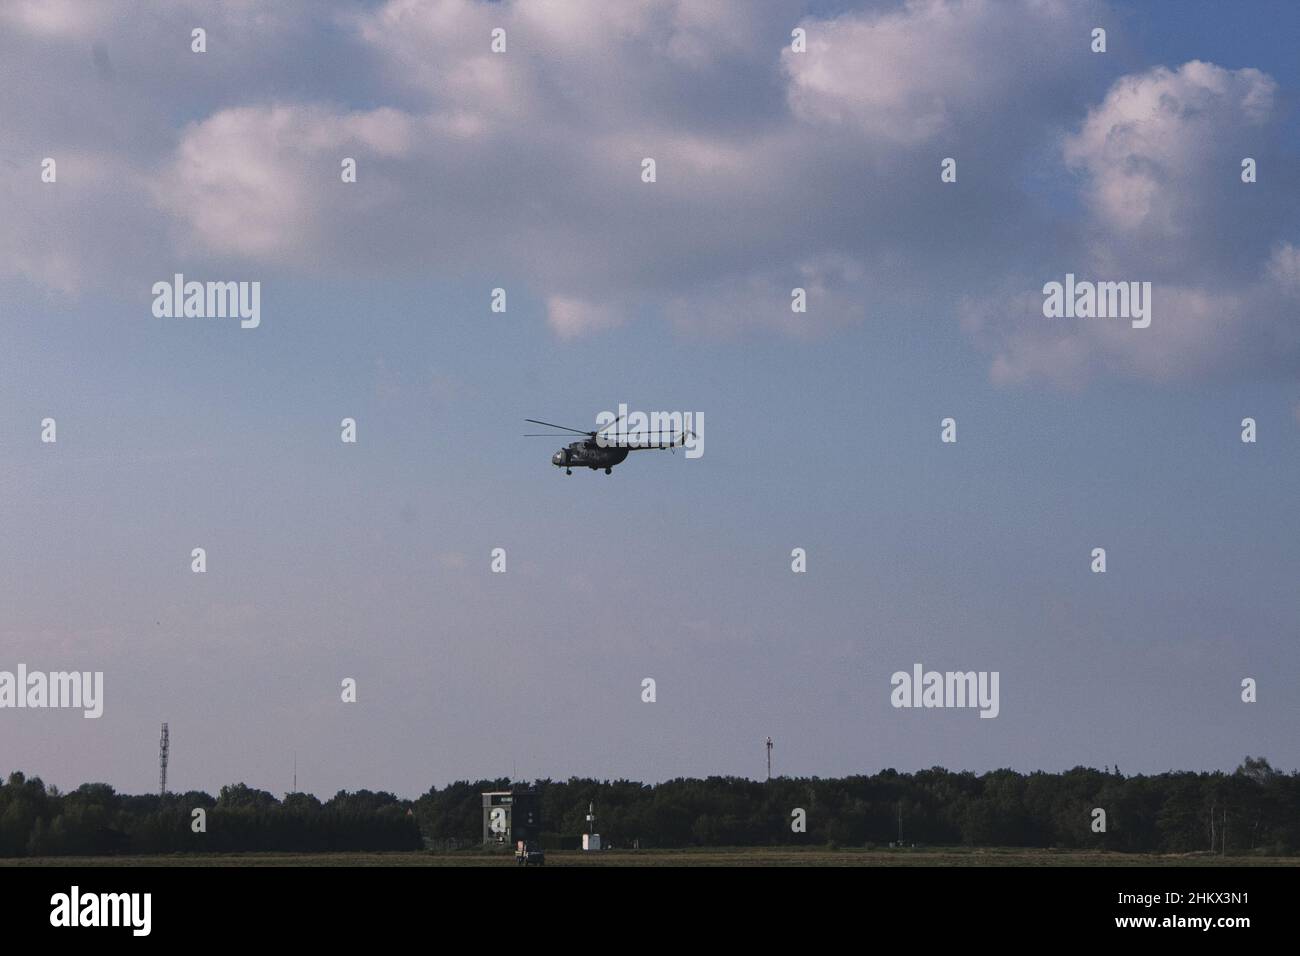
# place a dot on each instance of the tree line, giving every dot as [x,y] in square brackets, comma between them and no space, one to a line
[94,820]
[1255,809]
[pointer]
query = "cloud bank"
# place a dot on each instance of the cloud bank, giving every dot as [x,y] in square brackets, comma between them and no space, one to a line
[775,169]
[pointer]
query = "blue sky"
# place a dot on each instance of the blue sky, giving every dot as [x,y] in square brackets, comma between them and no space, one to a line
[371,561]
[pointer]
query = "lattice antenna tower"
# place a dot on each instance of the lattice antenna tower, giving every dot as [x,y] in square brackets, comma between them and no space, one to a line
[162,762]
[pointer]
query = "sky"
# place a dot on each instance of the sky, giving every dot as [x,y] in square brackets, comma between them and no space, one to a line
[523,170]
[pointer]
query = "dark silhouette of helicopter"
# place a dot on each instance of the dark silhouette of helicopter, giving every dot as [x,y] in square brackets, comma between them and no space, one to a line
[602,452]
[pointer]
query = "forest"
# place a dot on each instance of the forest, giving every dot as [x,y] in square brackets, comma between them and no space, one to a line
[1255,809]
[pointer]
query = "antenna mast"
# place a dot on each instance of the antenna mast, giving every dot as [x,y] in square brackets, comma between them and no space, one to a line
[162,762]
[769,758]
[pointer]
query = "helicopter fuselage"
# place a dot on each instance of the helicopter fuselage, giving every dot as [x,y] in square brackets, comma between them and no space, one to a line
[588,454]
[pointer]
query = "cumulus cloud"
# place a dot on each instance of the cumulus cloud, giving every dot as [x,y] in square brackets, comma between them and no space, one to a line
[1197,331]
[1160,163]
[776,169]
[530,161]
[528,164]
[1158,152]
[246,181]
[922,70]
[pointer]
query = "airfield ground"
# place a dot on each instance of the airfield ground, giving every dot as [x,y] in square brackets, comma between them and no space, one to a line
[812,856]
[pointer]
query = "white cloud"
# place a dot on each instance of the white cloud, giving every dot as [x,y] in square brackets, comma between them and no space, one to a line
[1160,160]
[530,160]
[775,169]
[259,181]
[61,19]
[570,317]
[1150,150]
[1195,332]
[912,73]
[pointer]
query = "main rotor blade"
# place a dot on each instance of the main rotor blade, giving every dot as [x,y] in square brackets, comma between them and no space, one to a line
[610,425]
[562,427]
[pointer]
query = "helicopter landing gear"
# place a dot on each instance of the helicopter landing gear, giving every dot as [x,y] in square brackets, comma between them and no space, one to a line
[568,471]
[608,470]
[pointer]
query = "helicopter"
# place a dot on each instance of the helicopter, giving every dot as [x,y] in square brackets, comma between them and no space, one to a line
[598,452]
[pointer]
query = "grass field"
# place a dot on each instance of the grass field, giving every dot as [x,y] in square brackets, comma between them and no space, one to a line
[813,856]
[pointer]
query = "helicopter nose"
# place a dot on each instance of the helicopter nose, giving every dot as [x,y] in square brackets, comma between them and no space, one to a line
[557,458]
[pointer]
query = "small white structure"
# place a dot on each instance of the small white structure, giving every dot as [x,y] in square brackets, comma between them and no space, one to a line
[591,839]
